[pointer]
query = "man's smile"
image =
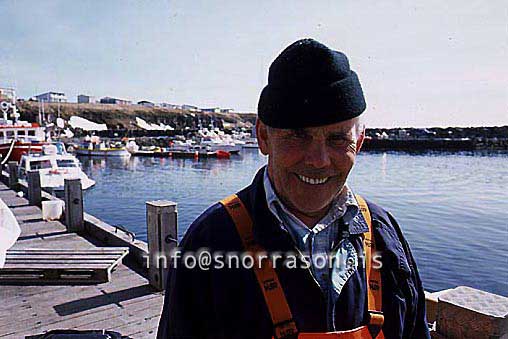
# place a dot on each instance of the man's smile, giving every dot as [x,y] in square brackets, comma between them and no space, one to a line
[312,181]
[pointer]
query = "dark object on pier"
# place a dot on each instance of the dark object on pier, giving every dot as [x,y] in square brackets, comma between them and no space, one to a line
[76,334]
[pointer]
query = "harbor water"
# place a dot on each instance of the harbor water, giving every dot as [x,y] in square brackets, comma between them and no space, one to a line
[452,207]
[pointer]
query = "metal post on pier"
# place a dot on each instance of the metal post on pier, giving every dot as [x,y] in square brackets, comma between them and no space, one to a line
[34,188]
[73,197]
[13,174]
[161,222]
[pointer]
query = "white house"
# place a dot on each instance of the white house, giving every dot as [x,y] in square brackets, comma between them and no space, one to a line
[51,97]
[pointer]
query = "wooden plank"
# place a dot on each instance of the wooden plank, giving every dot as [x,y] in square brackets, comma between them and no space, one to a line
[124,277]
[48,295]
[144,321]
[43,263]
[64,240]
[63,257]
[28,210]
[100,314]
[94,250]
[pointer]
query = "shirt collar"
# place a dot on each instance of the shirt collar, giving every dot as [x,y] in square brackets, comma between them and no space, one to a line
[344,205]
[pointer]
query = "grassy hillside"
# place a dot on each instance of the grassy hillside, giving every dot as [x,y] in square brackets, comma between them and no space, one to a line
[124,116]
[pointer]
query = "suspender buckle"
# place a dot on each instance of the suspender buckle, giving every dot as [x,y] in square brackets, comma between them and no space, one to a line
[286,330]
[376,318]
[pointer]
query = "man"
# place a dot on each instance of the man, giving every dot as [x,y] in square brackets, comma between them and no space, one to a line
[299,207]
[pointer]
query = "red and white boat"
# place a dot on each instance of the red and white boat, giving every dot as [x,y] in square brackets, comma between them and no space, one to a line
[17,137]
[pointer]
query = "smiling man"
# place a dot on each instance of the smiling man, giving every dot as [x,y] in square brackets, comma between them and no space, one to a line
[296,254]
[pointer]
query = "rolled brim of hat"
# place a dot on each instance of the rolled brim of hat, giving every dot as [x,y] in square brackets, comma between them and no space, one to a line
[300,107]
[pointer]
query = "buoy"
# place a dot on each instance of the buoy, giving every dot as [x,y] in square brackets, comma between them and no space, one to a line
[223,154]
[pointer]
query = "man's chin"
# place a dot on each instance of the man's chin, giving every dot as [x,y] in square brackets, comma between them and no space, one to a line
[311,211]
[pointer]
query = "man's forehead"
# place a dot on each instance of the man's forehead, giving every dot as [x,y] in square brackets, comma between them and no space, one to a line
[340,127]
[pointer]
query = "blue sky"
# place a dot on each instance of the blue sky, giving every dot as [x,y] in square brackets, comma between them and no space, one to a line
[429,63]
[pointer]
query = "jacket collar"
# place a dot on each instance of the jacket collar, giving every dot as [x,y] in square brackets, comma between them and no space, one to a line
[266,230]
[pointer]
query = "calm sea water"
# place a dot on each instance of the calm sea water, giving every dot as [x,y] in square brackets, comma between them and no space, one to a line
[453,208]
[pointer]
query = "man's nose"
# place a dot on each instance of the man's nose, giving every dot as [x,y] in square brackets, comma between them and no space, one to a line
[317,155]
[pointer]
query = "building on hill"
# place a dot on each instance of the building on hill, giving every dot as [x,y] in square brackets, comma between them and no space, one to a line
[109,100]
[87,99]
[191,108]
[211,110]
[170,106]
[51,97]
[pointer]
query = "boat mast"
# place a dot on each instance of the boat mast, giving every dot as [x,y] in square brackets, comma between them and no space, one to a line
[9,93]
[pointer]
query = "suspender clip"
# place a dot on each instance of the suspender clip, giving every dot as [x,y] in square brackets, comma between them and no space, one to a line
[376,318]
[286,330]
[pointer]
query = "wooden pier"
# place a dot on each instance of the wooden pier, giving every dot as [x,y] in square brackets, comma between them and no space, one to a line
[127,300]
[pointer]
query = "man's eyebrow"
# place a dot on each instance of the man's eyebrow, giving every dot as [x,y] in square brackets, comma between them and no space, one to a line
[295,130]
[341,134]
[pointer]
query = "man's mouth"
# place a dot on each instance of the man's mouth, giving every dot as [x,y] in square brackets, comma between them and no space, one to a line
[312,181]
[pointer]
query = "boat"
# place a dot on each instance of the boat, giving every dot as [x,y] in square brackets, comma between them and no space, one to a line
[93,146]
[151,151]
[189,149]
[17,137]
[54,165]
[217,140]
[251,143]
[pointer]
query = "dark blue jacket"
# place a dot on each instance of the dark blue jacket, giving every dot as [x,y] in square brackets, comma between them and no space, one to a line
[228,303]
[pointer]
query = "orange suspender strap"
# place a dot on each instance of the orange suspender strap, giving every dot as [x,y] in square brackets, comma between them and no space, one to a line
[374,287]
[267,278]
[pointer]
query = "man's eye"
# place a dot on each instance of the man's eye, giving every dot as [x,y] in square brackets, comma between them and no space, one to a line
[299,135]
[339,141]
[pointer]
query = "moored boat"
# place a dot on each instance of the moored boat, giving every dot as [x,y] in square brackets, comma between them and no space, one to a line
[17,137]
[93,146]
[54,165]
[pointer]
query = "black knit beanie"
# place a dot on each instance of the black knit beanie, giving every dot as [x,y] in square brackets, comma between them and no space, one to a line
[310,85]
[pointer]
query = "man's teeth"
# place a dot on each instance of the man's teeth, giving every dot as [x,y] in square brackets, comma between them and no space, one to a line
[312,181]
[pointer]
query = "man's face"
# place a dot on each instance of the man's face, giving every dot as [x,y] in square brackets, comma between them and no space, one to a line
[309,167]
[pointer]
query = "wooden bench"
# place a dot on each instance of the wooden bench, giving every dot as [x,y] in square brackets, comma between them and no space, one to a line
[61,266]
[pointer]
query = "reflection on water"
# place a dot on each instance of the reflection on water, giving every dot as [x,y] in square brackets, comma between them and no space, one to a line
[452,206]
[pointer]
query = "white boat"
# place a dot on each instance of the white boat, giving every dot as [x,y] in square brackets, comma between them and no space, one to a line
[245,139]
[251,143]
[217,140]
[93,146]
[54,165]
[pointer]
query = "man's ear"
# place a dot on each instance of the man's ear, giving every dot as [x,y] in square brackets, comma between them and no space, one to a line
[262,135]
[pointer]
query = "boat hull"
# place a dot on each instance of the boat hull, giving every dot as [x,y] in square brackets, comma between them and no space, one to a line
[19,149]
[104,153]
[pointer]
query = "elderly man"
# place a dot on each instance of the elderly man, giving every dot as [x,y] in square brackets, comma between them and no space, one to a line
[344,268]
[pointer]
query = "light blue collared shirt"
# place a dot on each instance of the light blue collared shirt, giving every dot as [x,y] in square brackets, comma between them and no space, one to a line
[318,242]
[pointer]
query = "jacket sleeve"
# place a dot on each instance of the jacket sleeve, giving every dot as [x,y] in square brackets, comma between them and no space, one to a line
[415,326]
[184,315]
